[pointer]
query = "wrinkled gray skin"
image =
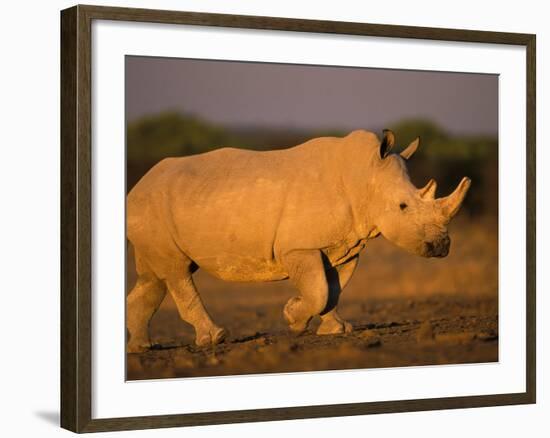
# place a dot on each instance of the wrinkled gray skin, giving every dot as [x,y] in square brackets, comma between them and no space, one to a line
[303,214]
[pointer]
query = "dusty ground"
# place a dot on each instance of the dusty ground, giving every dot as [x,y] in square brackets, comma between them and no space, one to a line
[406,311]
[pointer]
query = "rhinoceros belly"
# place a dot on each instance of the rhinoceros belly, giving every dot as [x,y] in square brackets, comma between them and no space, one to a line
[241,268]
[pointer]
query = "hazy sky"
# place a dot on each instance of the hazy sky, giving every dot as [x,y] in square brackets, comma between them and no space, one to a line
[296,96]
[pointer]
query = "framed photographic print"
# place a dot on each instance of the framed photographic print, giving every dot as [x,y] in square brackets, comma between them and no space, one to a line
[268,218]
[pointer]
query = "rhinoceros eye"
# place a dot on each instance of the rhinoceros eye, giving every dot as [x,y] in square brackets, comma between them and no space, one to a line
[403,206]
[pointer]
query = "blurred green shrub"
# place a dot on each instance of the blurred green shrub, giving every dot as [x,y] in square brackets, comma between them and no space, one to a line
[169,134]
[438,144]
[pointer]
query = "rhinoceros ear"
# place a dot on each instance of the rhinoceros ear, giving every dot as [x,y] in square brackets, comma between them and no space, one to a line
[387,143]
[410,149]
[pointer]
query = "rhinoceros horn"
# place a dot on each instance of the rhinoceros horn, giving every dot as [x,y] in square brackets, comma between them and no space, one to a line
[428,191]
[451,204]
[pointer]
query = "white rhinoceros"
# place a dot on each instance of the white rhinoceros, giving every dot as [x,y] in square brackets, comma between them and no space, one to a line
[302,213]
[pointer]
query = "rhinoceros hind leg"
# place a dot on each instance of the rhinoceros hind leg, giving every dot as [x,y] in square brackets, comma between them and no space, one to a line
[306,271]
[332,323]
[142,303]
[191,310]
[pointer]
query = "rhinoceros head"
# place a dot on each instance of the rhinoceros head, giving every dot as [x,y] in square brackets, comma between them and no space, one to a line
[412,218]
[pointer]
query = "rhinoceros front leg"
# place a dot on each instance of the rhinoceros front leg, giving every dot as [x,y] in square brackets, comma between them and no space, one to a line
[337,277]
[191,310]
[306,271]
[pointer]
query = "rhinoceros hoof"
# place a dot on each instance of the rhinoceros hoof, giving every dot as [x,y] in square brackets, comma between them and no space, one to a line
[298,327]
[334,327]
[214,336]
[289,312]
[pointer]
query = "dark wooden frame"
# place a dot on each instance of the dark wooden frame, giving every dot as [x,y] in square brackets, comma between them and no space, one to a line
[76,371]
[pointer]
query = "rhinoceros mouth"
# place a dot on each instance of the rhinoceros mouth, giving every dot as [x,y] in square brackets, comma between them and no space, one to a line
[437,248]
